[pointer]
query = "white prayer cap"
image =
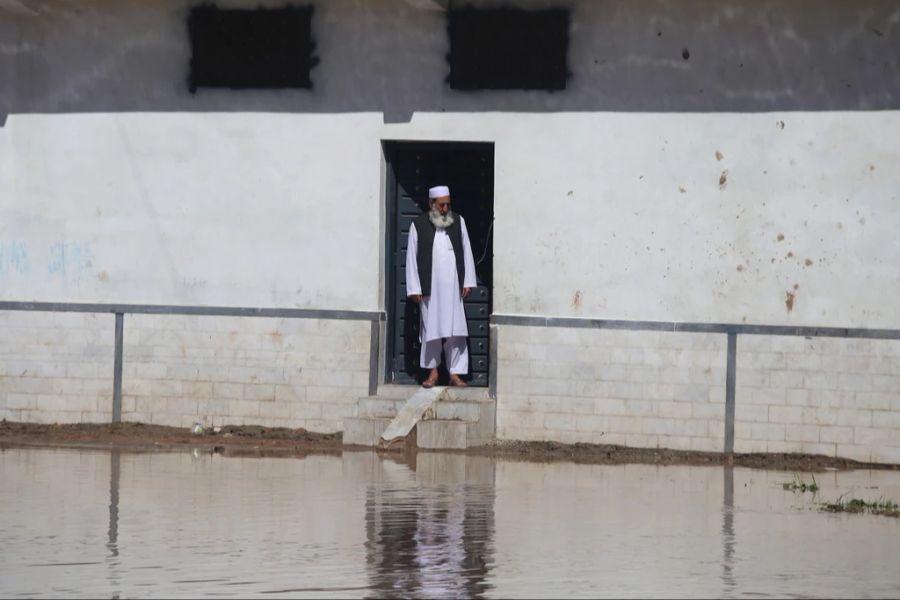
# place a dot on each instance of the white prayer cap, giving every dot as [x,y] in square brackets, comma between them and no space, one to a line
[438,192]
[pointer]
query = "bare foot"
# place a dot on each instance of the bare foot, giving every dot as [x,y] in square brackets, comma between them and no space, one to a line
[432,379]
[456,381]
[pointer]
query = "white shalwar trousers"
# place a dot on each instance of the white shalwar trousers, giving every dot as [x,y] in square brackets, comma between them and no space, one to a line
[455,349]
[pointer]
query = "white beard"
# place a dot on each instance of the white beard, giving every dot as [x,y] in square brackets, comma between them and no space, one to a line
[441,221]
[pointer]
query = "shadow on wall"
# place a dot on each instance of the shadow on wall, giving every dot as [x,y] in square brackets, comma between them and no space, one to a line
[389,56]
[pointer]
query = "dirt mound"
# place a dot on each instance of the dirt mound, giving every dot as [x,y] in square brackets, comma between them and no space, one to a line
[159,436]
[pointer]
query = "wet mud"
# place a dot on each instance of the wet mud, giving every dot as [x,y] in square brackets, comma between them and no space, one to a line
[603,454]
[252,440]
[232,439]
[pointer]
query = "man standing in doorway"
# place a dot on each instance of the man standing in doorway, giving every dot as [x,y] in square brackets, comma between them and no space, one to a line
[440,274]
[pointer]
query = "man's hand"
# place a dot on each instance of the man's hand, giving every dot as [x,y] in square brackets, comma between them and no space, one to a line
[466,292]
[417,298]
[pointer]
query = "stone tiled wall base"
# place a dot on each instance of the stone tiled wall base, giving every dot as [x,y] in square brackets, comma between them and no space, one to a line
[634,388]
[832,396]
[56,367]
[244,370]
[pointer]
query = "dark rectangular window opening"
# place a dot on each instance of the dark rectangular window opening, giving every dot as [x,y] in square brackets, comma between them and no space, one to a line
[507,48]
[258,48]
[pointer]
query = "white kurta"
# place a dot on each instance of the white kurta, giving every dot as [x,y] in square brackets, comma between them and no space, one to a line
[443,314]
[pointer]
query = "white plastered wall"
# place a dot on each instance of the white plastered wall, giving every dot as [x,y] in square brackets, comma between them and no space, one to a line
[654,187]
[753,182]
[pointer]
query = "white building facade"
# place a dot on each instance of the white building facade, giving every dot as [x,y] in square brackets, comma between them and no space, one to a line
[710,167]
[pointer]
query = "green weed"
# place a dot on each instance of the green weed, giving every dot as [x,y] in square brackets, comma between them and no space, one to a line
[887,508]
[798,485]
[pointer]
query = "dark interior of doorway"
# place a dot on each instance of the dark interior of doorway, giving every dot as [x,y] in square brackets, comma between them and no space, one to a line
[468,169]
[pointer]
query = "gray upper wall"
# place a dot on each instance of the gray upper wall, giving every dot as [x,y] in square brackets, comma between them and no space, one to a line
[389,56]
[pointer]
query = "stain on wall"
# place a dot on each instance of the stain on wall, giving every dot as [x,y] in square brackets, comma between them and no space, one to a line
[576,300]
[789,298]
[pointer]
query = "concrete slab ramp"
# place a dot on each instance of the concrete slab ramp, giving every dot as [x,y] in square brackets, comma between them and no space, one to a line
[420,406]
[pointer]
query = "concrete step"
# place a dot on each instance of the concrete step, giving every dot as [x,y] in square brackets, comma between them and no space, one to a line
[459,411]
[391,398]
[449,434]
[376,406]
[431,434]
[364,431]
[405,392]
[452,408]
[462,418]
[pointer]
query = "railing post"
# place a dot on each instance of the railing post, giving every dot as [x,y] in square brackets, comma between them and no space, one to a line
[730,379]
[374,340]
[117,369]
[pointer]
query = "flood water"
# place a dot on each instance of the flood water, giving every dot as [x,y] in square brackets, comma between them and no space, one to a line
[111,524]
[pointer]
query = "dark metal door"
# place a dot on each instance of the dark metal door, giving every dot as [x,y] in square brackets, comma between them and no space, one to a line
[468,169]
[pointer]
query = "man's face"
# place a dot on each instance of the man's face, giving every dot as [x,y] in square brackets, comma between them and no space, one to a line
[442,205]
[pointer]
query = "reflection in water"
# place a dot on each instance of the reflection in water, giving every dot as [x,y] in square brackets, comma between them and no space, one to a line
[92,524]
[113,531]
[435,540]
[728,534]
[112,544]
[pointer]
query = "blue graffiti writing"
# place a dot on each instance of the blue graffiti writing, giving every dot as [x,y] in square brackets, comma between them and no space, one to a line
[13,258]
[70,259]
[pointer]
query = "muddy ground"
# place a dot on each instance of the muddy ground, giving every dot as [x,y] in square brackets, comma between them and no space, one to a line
[247,440]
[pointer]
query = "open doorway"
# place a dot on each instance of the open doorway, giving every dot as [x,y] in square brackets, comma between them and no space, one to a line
[468,169]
